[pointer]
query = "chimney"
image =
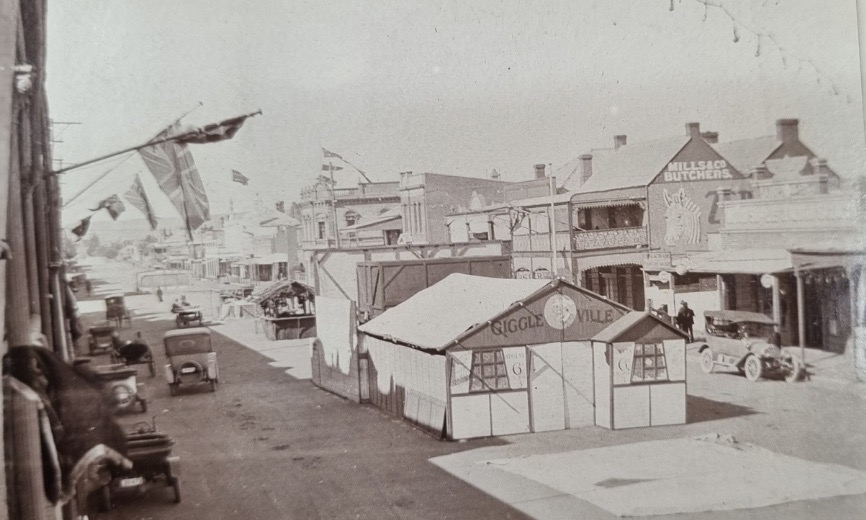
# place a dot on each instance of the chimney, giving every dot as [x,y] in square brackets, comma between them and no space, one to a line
[693,129]
[586,167]
[619,140]
[787,130]
[710,137]
[760,173]
[539,171]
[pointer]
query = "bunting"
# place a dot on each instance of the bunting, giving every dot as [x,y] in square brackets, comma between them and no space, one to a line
[113,205]
[138,198]
[81,229]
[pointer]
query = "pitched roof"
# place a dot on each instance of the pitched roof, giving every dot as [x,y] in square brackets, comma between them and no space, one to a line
[745,154]
[620,327]
[628,166]
[434,317]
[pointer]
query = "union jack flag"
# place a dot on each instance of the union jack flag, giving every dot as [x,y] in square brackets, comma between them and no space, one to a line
[175,171]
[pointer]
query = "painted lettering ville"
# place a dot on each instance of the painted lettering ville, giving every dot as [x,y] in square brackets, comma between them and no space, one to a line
[511,325]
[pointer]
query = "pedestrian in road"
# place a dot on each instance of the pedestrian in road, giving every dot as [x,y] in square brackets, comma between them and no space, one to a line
[159,294]
[686,319]
[88,286]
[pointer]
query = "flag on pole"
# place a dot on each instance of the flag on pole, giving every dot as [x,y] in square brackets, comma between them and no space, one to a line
[175,171]
[138,198]
[222,131]
[328,166]
[239,177]
[81,229]
[113,204]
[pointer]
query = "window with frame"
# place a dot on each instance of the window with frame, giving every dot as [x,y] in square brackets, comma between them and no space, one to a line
[649,363]
[321,229]
[489,372]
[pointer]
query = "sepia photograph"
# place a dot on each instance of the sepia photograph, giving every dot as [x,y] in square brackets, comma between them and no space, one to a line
[396,259]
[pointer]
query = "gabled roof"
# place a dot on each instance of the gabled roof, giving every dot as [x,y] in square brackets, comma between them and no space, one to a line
[630,165]
[745,154]
[618,329]
[434,317]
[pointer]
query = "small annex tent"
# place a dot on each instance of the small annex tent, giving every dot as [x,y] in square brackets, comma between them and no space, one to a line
[640,373]
[473,356]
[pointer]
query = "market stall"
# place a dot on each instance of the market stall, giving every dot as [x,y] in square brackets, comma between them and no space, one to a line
[473,356]
[287,311]
[640,373]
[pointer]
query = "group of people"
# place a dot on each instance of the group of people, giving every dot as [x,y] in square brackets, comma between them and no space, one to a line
[283,307]
[181,304]
[684,320]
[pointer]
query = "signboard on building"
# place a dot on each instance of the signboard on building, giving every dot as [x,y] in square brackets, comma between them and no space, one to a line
[657,261]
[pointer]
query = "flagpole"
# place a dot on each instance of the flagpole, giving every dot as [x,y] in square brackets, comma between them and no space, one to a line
[188,112]
[178,137]
[334,203]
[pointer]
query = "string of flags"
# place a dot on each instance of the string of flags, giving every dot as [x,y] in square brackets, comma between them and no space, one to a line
[172,164]
[138,198]
[329,166]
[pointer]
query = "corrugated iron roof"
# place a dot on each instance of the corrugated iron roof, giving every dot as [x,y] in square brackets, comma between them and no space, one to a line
[745,154]
[628,166]
[434,317]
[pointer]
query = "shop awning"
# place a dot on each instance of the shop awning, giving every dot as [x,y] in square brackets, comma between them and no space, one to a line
[284,286]
[591,262]
[807,260]
[743,261]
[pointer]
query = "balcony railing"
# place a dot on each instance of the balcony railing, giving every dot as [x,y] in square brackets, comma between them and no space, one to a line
[539,241]
[610,238]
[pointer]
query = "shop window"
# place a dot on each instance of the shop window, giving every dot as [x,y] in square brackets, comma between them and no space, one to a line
[649,363]
[695,282]
[488,372]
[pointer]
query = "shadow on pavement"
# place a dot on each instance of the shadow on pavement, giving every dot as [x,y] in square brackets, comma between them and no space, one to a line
[701,409]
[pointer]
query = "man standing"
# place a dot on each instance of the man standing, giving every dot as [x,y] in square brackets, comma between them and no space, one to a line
[686,319]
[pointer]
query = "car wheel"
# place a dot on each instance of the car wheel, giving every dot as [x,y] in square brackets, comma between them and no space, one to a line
[753,368]
[707,363]
[795,371]
[175,483]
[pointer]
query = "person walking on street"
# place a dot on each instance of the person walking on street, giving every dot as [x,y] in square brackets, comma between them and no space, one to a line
[686,319]
[159,294]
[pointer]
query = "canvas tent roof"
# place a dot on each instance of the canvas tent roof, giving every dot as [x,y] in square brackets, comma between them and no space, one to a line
[434,317]
[620,328]
[742,261]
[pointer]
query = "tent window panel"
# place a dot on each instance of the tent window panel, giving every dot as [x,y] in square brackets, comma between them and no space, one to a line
[489,372]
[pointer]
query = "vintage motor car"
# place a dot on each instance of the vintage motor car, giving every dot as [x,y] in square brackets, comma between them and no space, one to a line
[152,464]
[116,311]
[121,387]
[101,338]
[191,359]
[748,342]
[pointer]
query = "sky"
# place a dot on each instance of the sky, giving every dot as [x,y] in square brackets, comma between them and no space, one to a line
[443,86]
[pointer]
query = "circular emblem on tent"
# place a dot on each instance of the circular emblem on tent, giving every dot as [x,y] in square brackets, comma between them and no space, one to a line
[559,311]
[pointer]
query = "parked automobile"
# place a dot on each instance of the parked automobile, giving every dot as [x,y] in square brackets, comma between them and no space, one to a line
[102,338]
[191,359]
[115,310]
[748,342]
[121,387]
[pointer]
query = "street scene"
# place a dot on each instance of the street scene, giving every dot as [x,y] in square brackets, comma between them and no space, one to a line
[408,260]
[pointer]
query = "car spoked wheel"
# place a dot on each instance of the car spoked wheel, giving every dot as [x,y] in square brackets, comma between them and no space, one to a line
[707,361]
[753,368]
[190,373]
[795,370]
